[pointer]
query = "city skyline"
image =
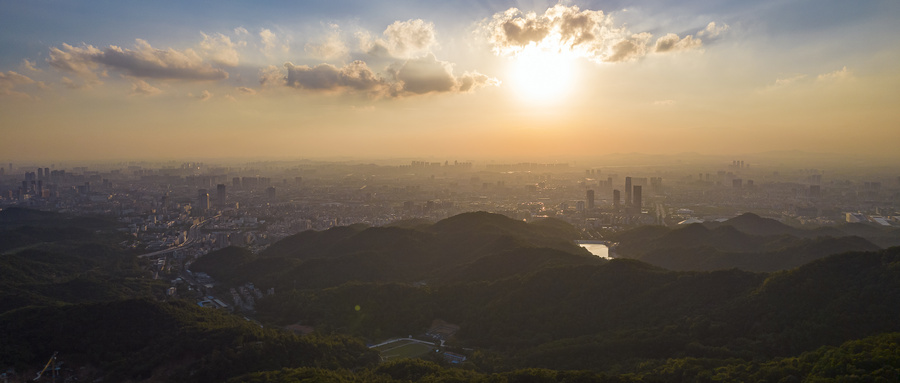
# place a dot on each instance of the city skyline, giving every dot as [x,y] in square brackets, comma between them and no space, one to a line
[165,80]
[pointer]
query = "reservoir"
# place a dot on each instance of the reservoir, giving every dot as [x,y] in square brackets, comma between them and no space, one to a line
[597,248]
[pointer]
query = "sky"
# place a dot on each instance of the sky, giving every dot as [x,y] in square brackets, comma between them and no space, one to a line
[111,80]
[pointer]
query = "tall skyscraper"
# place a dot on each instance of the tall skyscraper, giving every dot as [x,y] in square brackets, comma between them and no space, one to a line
[627,191]
[617,198]
[220,195]
[203,201]
[636,203]
[236,182]
[590,199]
[270,193]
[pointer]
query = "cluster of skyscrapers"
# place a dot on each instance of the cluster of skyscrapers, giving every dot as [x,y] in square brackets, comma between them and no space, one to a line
[633,197]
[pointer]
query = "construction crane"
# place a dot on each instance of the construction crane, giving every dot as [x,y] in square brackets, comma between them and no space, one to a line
[51,364]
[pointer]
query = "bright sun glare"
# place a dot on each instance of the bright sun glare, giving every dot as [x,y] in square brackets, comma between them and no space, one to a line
[542,76]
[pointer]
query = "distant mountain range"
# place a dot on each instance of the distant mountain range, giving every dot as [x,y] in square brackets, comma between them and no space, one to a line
[748,242]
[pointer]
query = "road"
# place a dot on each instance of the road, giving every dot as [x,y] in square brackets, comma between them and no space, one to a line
[192,237]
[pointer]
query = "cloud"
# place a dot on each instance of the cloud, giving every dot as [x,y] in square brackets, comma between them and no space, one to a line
[580,33]
[585,33]
[241,31]
[403,39]
[470,81]
[143,61]
[355,76]
[29,65]
[411,77]
[671,42]
[408,37]
[205,95]
[404,45]
[513,29]
[271,76]
[71,84]
[272,44]
[427,74]
[78,60]
[219,49]
[331,48]
[629,49]
[664,102]
[806,82]
[712,30]
[840,74]
[141,87]
[247,91]
[10,80]
[789,80]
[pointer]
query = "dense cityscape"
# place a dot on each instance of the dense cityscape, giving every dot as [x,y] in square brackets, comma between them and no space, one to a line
[270,200]
[196,207]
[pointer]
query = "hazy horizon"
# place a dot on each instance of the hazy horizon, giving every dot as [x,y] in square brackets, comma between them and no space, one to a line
[82,81]
[790,161]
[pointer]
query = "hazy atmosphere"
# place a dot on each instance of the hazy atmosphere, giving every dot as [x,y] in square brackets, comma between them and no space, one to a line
[164,80]
[449,191]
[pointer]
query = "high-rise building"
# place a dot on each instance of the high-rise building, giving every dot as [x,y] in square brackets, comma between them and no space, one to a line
[220,195]
[627,191]
[815,191]
[236,182]
[590,199]
[636,202]
[270,193]
[617,198]
[202,201]
[737,183]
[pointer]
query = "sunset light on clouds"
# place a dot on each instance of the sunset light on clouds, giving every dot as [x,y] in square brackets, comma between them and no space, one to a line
[84,80]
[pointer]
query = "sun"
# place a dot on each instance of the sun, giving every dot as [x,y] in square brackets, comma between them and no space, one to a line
[539,75]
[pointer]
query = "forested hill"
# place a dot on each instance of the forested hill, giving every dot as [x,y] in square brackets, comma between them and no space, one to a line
[747,242]
[138,340]
[618,315]
[530,305]
[464,247]
[49,258]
